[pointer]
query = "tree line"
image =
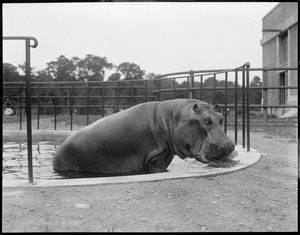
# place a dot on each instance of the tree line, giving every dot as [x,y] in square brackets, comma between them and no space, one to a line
[93,68]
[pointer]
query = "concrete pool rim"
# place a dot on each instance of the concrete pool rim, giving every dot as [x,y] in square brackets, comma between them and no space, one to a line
[246,159]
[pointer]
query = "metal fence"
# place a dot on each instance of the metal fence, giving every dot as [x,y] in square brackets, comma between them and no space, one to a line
[72,98]
[240,100]
[106,97]
[230,89]
[97,97]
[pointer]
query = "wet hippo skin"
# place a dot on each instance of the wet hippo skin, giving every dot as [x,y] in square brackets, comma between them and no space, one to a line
[144,139]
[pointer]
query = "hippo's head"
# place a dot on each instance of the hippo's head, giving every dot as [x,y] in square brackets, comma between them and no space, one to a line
[200,135]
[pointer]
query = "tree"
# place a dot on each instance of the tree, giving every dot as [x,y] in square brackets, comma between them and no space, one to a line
[255,95]
[62,70]
[23,68]
[256,81]
[92,68]
[131,71]
[150,76]
[114,77]
[43,76]
[10,73]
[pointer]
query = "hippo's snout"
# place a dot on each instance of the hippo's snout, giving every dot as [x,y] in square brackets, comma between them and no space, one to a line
[215,151]
[233,154]
[229,149]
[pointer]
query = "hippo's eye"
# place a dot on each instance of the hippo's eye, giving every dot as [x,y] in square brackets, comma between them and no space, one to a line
[207,120]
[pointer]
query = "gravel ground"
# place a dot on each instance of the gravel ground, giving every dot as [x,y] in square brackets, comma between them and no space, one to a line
[263,197]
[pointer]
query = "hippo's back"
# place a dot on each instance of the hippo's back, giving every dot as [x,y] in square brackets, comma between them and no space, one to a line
[117,143]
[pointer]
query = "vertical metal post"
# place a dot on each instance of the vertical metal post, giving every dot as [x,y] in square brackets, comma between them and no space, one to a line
[201,87]
[71,112]
[174,88]
[88,104]
[244,110]
[265,96]
[248,106]
[226,96]
[55,99]
[191,84]
[187,87]
[38,108]
[103,100]
[146,90]
[118,94]
[214,90]
[28,111]
[235,108]
[131,93]
[21,105]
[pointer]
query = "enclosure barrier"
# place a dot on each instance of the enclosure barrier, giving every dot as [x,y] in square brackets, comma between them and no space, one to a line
[103,97]
[167,84]
[80,97]
[28,98]
[191,90]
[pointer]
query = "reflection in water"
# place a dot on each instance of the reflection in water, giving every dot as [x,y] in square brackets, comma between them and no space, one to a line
[15,162]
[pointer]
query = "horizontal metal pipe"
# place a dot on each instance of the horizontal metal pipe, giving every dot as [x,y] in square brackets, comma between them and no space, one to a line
[22,38]
[82,96]
[229,88]
[216,71]
[169,74]
[220,105]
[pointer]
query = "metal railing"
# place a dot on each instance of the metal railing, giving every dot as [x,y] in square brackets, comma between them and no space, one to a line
[192,91]
[95,97]
[28,97]
[101,97]
[240,88]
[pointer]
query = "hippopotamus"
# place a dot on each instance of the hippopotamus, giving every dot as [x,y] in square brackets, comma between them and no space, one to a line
[145,138]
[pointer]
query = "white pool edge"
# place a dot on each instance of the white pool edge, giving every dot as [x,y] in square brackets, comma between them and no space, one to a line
[246,159]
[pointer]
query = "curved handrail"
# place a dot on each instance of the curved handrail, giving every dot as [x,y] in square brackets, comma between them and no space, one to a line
[23,38]
[203,72]
[28,97]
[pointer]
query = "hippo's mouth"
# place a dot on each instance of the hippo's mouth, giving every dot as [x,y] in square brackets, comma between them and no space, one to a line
[202,158]
[224,161]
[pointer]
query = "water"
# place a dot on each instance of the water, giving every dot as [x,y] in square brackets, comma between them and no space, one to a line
[15,161]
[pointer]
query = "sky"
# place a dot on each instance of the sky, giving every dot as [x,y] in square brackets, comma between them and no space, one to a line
[160,37]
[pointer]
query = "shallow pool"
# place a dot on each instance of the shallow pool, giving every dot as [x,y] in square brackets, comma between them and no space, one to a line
[15,161]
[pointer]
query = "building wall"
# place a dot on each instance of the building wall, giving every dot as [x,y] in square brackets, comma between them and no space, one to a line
[294,56]
[283,19]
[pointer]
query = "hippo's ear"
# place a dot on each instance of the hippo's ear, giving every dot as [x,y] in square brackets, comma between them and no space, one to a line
[196,108]
[216,108]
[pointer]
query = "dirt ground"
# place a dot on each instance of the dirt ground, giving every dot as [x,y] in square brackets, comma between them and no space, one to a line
[263,197]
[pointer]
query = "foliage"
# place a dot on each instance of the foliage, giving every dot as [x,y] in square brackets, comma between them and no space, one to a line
[131,71]
[63,69]
[92,68]
[114,77]
[10,73]
[255,95]
[208,95]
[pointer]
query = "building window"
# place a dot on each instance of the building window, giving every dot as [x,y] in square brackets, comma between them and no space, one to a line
[283,48]
[283,92]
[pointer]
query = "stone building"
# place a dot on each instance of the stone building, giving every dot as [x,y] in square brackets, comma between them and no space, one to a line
[280,49]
